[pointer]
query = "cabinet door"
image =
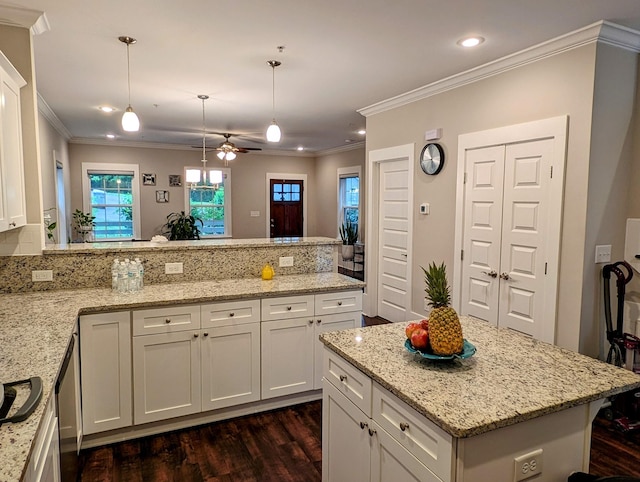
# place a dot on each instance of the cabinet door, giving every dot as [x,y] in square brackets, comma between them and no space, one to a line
[341,321]
[287,357]
[105,360]
[166,375]
[346,443]
[11,148]
[230,365]
[391,461]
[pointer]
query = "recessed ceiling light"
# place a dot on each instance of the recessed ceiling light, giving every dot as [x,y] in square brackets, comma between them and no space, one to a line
[470,41]
[111,136]
[300,148]
[362,132]
[106,108]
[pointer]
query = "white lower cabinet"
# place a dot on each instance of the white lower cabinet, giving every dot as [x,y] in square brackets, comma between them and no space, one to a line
[44,465]
[105,374]
[370,435]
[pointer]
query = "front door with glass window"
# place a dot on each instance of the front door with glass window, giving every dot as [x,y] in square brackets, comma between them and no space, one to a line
[286,208]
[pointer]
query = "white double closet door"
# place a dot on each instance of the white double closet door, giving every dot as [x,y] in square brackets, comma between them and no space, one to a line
[507,211]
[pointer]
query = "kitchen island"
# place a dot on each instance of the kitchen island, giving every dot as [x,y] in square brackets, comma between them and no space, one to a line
[464,420]
[35,329]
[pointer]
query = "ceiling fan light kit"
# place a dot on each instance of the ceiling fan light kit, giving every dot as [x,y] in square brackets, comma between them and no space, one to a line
[273,131]
[130,121]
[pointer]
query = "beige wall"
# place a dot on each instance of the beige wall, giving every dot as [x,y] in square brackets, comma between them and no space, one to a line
[558,85]
[248,174]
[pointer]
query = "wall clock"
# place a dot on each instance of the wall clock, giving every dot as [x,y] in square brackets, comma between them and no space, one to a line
[432,158]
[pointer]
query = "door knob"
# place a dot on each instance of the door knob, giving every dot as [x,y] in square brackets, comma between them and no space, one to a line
[491,273]
[505,276]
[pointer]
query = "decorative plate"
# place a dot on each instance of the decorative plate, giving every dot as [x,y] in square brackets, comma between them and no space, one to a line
[467,351]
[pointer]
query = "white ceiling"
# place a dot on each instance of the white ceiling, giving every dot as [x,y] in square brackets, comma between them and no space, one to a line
[339,56]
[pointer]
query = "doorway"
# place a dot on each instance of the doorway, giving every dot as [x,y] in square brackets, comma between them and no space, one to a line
[287,205]
[508,222]
[61,204]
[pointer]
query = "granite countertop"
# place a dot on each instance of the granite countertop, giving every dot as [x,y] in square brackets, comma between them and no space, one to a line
[124,246]
[35,329]
[510,379]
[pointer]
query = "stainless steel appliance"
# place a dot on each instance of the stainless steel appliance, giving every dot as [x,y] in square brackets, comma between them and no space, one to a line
[68,418]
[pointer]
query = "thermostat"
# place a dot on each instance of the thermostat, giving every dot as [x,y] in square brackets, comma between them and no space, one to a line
[424,208]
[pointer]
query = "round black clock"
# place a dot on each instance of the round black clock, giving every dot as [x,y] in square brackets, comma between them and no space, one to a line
[432,158]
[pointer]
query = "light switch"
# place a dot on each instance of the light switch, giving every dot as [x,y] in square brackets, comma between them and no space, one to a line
[603,254]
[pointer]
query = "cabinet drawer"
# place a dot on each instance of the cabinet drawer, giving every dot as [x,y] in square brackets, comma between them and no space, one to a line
[340,302]
[166,320]
[287,308]
[231,313]
[426,441]
[350,381]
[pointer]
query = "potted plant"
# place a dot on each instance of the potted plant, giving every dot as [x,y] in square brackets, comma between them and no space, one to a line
[349,235]
[50,225]
[182,226]
[84,224]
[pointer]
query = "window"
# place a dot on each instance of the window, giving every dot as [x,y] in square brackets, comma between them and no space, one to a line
[349,195]
[210,200]
[111,194]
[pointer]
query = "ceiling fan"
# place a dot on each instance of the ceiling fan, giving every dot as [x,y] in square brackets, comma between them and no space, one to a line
[228,146]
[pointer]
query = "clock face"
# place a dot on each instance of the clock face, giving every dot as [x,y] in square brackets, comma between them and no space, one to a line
[432,159]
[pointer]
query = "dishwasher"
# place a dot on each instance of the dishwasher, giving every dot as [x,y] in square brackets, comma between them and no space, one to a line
[67,403]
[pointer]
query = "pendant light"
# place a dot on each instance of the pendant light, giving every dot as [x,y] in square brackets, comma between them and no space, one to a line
[130,121]
[273,132]
[194,176]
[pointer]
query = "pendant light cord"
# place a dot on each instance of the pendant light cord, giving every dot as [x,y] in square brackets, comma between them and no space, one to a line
[204,150]
[273,90]
[128,74]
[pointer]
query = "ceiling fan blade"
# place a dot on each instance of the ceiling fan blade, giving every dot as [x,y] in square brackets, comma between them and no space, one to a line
[250,149]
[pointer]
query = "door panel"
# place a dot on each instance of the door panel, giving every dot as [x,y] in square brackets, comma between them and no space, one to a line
[393,301]
[482,227]
[286,207]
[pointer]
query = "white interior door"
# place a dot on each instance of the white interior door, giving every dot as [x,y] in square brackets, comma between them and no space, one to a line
[483,232]
[393,233]
[524,230]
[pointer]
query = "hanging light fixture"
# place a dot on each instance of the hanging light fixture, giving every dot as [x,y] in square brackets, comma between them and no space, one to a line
[195,176]
[273,131]
[130,121]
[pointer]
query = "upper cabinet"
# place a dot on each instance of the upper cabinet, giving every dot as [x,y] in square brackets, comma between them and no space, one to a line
[12,192]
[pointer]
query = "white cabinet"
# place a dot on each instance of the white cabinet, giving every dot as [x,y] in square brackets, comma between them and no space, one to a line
[12,192]
[105,359]
[371,435]
[291,350]
[230,353]
[166,363]
[44,465]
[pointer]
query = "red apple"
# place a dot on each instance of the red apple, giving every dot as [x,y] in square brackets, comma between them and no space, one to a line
[420,339]
[425,324]
[411,327]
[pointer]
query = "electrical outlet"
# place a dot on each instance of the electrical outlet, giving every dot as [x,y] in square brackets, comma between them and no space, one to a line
[172,268]
[603,254]
[42,275]
[527,465]
[286,261]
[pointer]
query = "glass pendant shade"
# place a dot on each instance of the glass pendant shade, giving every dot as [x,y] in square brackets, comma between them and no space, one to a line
[220,155]
[231,156]
[273,132]
[193,176]
[215,177]
[130,121]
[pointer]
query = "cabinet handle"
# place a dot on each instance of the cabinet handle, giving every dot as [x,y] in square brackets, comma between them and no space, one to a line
[343,378]
[288,308]
[372,431]
[491,273]
[363,425]
[232,314]
[195,335]
[318,321]
[404,426]
[205,334]
[167,320]
[339,303]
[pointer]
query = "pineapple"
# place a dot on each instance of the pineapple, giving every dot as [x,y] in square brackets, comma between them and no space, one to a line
[445,332]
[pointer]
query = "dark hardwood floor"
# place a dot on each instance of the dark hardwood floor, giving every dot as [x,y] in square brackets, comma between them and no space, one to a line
[281,445]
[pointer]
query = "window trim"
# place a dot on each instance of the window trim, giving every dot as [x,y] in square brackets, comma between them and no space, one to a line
[109,168]
[344,172]
[226,176]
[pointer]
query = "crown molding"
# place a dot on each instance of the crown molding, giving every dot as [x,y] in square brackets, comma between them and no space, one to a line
[53,119]
[602,31]
[336,150]
[34,20]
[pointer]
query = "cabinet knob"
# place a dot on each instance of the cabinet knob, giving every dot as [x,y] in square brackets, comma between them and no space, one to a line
[232,314]
[363,425]
[12,224]
[343,378]
[372,431]
[288,308]
[167,320]
[195,335]
[491,273]
[339,303]
[205,334]
[311,322]
[505,276]
[404,426]
[318,321]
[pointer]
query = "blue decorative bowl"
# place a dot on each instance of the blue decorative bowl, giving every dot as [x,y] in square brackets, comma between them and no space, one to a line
[467,351]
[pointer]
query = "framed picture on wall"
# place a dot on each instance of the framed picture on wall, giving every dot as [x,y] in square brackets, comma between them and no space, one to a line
[148,179]
[162,196]
[175,180]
